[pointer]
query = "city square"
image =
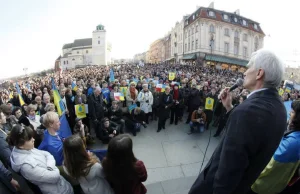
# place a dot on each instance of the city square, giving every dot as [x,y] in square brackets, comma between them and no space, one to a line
[157,97]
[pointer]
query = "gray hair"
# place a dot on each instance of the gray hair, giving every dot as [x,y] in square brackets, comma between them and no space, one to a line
[271,64]
[97,89]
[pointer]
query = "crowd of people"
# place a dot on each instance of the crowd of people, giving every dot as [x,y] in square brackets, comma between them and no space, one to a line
[119,99]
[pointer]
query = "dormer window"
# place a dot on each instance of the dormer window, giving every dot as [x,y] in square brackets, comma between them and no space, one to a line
[211,14]
[255,27]
[193,17]
[244,22]
[235,20]
[225,17]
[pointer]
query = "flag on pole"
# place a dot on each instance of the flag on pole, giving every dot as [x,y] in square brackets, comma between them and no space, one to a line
[57,99]
[74,87]
[64,130]
[111,75]
[21,100]
[119,96]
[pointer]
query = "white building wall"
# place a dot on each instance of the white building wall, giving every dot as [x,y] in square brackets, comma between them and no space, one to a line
[99,50]
[220,38]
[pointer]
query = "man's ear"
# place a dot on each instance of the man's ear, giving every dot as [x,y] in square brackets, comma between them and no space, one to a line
[260,74]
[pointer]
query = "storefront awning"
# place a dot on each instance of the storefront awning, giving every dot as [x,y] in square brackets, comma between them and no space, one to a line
[224,59]
[189,57]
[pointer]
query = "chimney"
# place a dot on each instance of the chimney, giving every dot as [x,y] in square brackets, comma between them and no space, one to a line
[211,5]
[237,12]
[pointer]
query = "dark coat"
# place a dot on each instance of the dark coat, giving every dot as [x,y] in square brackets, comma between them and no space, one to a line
[180,100]
[253,132]
[194,100]
[165,100]
[95,104]
[4,157]
[117,114]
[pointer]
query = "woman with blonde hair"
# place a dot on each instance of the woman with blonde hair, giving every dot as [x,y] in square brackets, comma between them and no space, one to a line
[84,167]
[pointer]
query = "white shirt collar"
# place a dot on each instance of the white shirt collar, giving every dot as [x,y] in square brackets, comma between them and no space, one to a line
[256,91]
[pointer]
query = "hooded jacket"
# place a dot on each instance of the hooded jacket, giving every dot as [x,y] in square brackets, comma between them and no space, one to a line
[39,168]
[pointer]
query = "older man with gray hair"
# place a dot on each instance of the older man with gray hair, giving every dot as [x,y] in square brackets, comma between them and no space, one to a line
[96,110]
[252,132]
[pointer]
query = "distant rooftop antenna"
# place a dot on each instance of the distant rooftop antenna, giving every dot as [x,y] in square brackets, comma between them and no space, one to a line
[237,12]
[211,5]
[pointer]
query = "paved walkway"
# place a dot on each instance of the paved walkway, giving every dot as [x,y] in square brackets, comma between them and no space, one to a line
[172,153]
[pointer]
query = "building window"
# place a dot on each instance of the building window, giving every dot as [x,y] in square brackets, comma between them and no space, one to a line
[226,47]
[244,22]
[245,37]
[67,62]
[87,51]
[196,28]
[236,34]
[211,14]
[189,48]
[193,45]
[255,27]
[98,41]
[236,49]
[192,30]
[211,28]
[185,49]
[196,44]
[64,62]
[226,32]
[189,32]
[193,17]
[77,52]
[256,44]
[235,20]
[226,17]
[245,50]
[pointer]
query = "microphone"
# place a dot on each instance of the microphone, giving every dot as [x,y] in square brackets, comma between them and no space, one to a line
[239,82]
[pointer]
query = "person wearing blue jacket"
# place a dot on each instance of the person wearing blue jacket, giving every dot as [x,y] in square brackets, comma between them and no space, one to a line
[286,160]
[52,142]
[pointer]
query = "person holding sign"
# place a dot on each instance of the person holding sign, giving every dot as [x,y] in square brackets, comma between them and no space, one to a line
[210,102]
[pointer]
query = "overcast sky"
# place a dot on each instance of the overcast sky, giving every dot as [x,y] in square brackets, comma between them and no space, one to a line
[32,32]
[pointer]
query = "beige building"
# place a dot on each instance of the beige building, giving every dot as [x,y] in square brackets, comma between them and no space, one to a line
[223,39]
[156,51]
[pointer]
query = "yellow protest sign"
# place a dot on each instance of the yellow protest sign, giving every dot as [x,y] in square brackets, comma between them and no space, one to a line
[171,75]
[80,111]
[280,91]
[123,90]
[209,103]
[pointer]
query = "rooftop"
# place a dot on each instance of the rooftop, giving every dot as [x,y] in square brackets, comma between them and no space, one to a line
[79,43]
[223,16]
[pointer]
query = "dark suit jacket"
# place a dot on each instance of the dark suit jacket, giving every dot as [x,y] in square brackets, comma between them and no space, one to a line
[253,132]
